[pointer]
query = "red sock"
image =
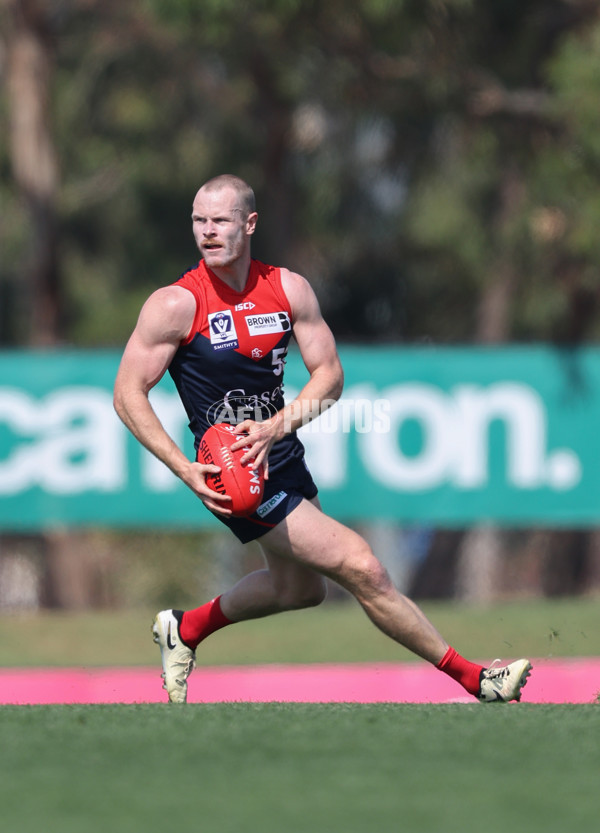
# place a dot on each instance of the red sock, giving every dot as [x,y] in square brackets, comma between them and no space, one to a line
[197,624]
[460,669]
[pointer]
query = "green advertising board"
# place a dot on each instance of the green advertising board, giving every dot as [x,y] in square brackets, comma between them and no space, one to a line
[436,436]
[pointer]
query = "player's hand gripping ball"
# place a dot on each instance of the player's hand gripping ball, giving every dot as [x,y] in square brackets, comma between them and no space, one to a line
[242,483]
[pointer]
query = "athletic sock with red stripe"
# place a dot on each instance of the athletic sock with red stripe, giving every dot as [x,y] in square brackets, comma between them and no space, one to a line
[197,624]
[460,669]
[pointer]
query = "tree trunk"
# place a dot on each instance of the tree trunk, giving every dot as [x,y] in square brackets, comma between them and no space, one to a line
[29,64]
[69,571]
[481,551]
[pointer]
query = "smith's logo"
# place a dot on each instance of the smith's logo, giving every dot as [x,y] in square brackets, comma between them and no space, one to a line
[268,322]
[222,330]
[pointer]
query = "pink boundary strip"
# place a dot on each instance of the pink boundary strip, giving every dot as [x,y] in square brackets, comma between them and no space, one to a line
[552,681]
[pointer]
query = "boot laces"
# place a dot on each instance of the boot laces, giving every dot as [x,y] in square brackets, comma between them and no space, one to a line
[493,672]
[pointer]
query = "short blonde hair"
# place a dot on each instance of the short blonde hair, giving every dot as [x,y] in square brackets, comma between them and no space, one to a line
[242,189]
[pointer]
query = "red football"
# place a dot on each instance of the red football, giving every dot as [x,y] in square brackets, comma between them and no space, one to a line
[242,483]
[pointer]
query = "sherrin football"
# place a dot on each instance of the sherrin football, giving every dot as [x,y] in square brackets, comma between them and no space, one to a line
[242,483]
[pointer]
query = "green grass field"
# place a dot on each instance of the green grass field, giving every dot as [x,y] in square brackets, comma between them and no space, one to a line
[331,633]
[300,768]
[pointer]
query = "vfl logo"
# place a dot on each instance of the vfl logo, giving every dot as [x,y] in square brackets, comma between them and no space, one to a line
[268,322]
[222,330]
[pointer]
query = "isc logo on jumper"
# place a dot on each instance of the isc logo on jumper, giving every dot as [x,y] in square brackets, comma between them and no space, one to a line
[222,330]
[268,322]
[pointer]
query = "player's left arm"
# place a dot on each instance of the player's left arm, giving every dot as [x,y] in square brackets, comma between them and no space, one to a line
[319,354]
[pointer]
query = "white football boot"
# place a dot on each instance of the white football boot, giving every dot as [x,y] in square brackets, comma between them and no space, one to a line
[502,683]
[178,660]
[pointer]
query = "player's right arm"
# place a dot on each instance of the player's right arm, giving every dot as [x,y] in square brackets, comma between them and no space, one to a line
[165,319]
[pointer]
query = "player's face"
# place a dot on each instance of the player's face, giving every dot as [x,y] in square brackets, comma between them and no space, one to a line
[221,228]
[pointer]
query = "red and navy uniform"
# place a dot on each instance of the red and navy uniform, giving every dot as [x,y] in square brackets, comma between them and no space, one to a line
[230,367]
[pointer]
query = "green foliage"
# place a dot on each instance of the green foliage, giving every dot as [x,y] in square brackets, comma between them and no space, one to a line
[407,157]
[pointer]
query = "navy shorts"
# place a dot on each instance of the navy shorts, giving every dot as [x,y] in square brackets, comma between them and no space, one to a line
[284,490]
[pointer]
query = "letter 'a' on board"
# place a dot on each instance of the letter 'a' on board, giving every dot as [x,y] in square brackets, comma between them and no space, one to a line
[242,483]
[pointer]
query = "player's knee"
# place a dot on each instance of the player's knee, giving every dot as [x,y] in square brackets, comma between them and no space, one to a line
[364,574]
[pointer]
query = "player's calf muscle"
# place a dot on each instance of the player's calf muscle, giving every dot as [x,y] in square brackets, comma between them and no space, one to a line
[297,599]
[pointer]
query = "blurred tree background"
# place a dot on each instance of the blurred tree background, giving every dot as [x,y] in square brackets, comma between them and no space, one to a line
[431,166]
